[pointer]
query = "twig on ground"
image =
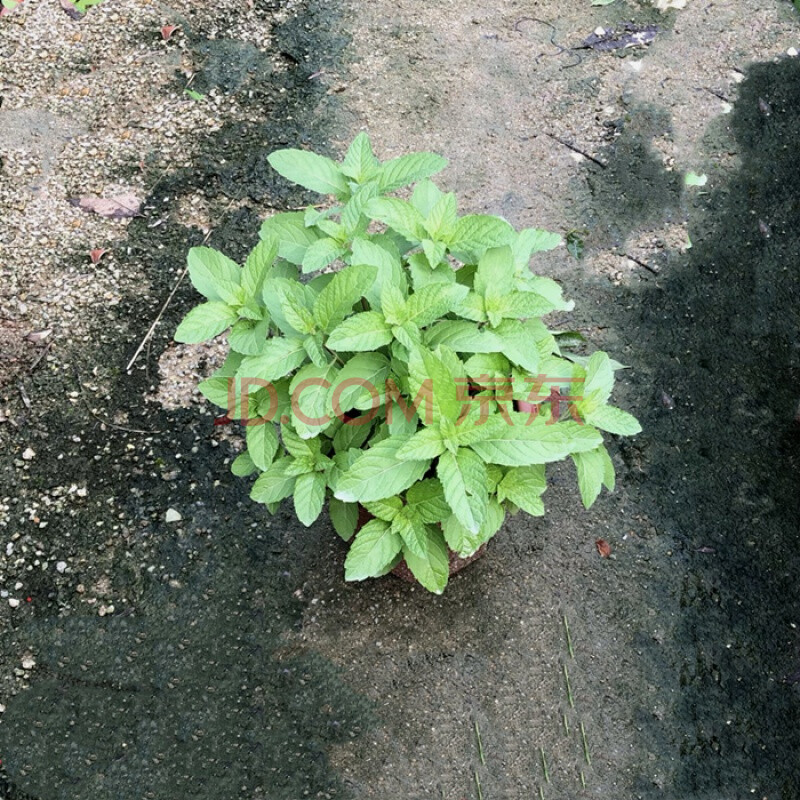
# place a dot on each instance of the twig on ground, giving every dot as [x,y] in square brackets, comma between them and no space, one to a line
[651,270]
[576,149]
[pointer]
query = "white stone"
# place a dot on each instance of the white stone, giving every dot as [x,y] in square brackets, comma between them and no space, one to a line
[172,515]
[28,454]
[13,602]
[61,566]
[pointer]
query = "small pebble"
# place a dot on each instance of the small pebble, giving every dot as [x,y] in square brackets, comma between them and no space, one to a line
[28,662]
[61,566]
[172,515]
[13,602]
[28,454]
[792,51]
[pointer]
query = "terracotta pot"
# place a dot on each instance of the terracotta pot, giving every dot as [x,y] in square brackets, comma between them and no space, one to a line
[402,571]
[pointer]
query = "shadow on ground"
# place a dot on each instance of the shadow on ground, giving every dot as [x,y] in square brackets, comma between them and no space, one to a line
[720,334]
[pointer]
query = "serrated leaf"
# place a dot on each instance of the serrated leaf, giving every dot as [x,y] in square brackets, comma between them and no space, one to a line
[273,485]
[378,473]
[374,547]
[463,337]
[431,380]
[365,331]
[353,218]
[591,468]
[473,307]
[243,465]
[350,435]
[434,301]
[433,568]
[434,252]
[516,338]
[519,444]
[495,274]
[217,390]
[530,241]
[386,259]
[204,322]
[213,274]
[321,253]
[524,486]
[614,420]
[344,517]
[423,445]
[249,337]
[294,238]
[599,377]
[386,509]
[311,170]
[425,196]
[475,233]
[463,478]
[313,345]
[398,215]
[309,497]
[336,300]
[426,500]
[294,303]
[409,168]
[440,222]
[413,531]
[262,444]
[279,357]
[258,266]
[310,387]
[360,162]
[359,384]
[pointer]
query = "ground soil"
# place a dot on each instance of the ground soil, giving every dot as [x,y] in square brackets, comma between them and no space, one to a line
[221,654]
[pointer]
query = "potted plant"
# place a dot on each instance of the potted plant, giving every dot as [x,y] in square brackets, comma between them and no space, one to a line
[389,354]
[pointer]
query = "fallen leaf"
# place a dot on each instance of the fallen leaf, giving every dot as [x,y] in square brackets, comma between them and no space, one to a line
[693,179]
[167,31]
[120,206]
[38,336]
[603,547]
[97,254]
[71,10]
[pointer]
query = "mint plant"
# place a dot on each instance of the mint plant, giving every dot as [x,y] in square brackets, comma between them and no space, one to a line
[389,353]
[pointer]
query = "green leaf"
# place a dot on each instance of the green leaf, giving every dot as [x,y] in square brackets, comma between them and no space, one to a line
[398,215]
[205,322]
[350,434]
[365,331]
[693,179]
[294,238]
[516,337]
[409,168]
[295,305]
[424,445]
[279,357]
[298,447]
[315,172]
[465,543]
[243,465]
[599,377]
[426,500]
[310,388]
[378,473]
[360,163]
[309,497]
[473,307]
[374,547]
[314,347]
[249,337]
[273,485]
[258,266]
[353,218]
[614,420]
[386,259]
[217,390]
[434,301]
[441,221]
[360,383]
[425,196]
[433,569]
[519,444]
[431,380]
[524,486]
[213,274]
[262,444]
[386,509]
[434,252]
[413,531]
[495,274]
[321,253]
[463,478]
[464,337]
[475,233]
[530,241]
[336,300]
[591,468]
[344,517]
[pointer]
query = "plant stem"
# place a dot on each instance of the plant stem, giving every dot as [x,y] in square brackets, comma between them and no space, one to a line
[480,743]
[566,724]
[583,780]
[544,765]
[569,638]
[478,785]
[585,745]
[569,687]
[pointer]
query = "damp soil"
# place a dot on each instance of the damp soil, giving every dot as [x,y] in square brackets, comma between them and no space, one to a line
[220,653]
